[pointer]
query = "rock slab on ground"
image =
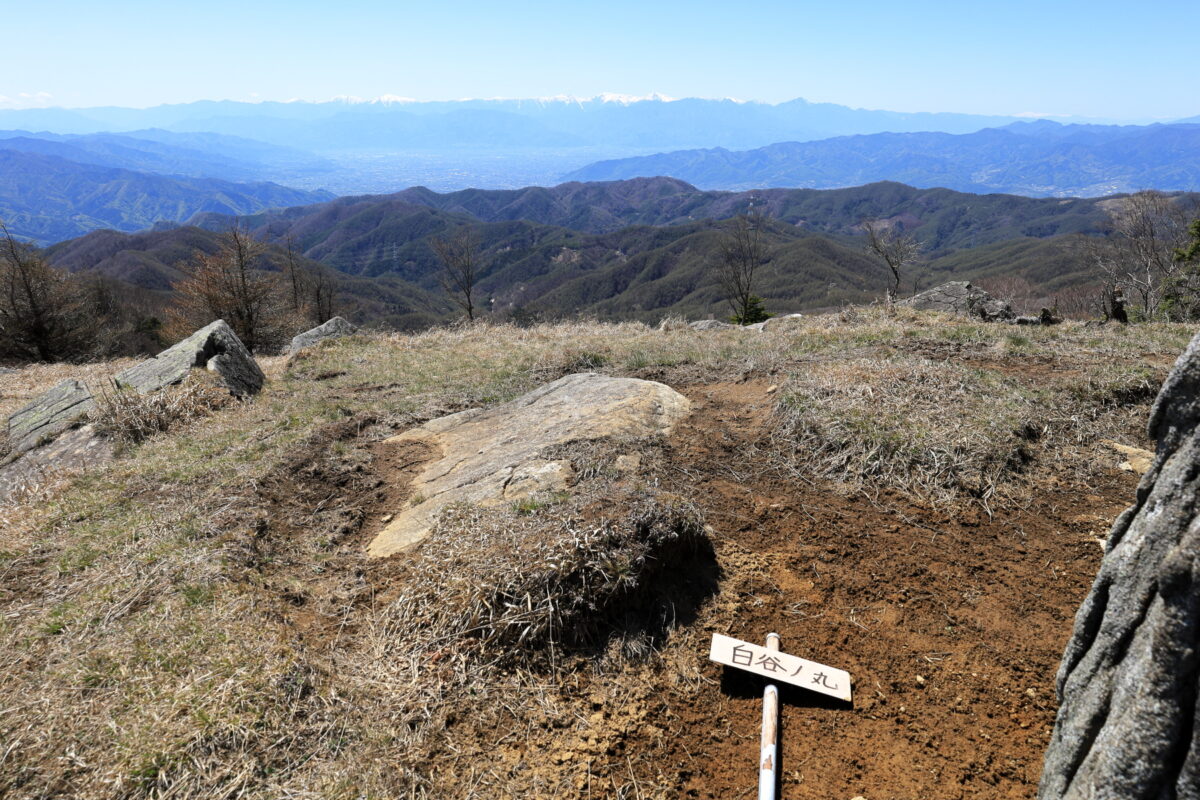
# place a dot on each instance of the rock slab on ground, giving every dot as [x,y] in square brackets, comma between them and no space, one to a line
[493,456]
[962,298]
[215,347]
[782,322]
[1128,724]
[709,325]
[72,452]
[331,329]
[49,415]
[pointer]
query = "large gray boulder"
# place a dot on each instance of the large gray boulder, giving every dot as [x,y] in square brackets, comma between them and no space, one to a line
[962,298]
[1128,722]
[61,408]
[215,347]
[332,329]
[494,456]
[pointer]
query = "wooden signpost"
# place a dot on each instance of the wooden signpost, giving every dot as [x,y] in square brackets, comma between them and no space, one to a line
[771,663]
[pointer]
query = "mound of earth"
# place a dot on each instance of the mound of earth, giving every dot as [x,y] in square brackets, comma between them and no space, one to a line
[493,456]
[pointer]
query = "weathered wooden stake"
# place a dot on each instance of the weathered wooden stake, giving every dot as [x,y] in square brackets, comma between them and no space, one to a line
[768,759]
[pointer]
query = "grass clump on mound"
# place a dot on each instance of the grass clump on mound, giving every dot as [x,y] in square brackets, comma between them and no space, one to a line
[930,428]
[518,583]
[947,431]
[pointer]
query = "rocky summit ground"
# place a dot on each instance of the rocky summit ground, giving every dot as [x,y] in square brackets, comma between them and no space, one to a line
[913,498]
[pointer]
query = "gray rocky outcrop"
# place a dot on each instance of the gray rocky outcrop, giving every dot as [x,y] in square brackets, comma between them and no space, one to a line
[710,325]
[332,329]
[962,298]
[1128,723]
[494,456]
[46,417]
[215,347]
[7,371]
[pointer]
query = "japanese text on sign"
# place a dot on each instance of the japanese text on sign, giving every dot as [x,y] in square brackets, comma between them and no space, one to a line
[780,666]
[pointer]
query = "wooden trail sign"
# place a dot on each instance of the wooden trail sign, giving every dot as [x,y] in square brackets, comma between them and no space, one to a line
[779,666]
[770,663]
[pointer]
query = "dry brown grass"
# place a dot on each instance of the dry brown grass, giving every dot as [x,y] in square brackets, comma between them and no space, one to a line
[198,619]
[129,418]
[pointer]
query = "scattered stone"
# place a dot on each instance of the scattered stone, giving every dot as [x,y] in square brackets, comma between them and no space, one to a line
[779,323]
[773,388]
[215,347]
[1047,317]
[72,452]
[709,325]
[335,328]
[1044,317]
[630,462]
[960,297]
[61,408]
[1129,679]
[1139,460]
[491,457]
[757,326]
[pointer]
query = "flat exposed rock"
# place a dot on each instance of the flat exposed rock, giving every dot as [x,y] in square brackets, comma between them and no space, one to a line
[49,415]
[1136,459]
[1129,680]
[782,322]
[492,457]
[72,452]
[215,347]
[7,371]
[709,325]
[962,298]
[332,329]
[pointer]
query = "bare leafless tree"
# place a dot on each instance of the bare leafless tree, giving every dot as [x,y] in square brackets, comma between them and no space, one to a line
[888,241]
[311,292]
[742,251]
[42,313]
[459,253]
[1137,256]
[232,285]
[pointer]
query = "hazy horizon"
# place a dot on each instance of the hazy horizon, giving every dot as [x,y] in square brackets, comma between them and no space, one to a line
[1025,59]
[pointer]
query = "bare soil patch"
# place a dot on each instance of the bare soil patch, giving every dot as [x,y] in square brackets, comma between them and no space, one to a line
[952,626]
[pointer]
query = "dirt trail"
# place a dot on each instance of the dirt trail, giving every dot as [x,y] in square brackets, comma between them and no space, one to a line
[951,626]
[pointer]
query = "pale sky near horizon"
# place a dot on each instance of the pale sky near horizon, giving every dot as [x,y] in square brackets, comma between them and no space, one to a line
[1100,58]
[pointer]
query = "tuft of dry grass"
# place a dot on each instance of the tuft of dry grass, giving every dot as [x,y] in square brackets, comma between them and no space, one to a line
[129,418]
[934,429]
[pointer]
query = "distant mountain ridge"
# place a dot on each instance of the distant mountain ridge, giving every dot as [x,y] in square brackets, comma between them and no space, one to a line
[639,248]
[1041,159]
[46,198]
[396,123]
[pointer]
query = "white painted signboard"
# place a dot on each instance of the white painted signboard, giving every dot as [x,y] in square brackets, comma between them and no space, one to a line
[780,666]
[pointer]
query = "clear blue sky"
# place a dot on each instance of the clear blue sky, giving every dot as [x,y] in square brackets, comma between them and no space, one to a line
[1094,58]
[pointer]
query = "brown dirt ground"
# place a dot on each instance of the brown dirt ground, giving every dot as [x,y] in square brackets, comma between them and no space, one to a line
[952,626]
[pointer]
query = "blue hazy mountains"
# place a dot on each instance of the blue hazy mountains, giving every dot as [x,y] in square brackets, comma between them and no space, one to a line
[389,144]
[46,197]
[64,172]
[1036,159]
